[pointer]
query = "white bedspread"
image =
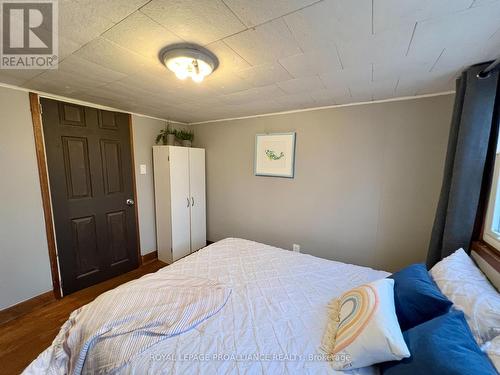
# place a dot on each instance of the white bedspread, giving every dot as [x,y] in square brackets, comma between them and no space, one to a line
[273,321]
[108,333]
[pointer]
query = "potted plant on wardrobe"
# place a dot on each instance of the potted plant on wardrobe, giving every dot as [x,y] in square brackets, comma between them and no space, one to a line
[166,136]
[186,137]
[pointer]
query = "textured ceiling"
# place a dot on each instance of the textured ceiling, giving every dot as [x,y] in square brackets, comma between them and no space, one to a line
[275,55]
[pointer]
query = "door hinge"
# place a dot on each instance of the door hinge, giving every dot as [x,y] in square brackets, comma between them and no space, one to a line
[168,158]
[41,107]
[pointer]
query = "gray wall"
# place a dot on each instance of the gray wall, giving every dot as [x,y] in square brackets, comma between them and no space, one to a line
[145,130]
[24,260]
[367,181]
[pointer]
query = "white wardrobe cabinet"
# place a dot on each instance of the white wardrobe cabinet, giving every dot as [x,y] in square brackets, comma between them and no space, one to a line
[179,179]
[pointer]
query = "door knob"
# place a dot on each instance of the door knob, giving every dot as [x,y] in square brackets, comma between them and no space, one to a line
[130,202]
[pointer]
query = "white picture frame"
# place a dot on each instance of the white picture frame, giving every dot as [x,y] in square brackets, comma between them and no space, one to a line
[275,155]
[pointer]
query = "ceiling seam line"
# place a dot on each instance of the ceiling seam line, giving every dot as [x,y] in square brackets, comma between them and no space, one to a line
[292,34]
[492,35]
[143,5]
[234,14]
[268,21]
[232,49]
[322,83]
[397,84]
[435,62]
[373,27]
[286,70]
[411,39]
[339,57]
[159,24]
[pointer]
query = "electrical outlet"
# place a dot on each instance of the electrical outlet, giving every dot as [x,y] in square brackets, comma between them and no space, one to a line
[142,168]
[296,248]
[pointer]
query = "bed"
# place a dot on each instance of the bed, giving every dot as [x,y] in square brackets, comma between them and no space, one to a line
[272,323]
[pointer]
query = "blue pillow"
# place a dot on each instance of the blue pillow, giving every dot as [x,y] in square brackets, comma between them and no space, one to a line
[443,345]
[417,297]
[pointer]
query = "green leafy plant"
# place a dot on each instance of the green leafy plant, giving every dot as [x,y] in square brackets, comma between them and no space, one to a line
[162,137]
[273,156]
[185,135]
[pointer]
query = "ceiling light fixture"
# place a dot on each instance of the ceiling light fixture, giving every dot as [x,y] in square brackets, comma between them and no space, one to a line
[188,60]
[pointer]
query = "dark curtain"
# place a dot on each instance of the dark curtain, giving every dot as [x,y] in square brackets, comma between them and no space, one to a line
[471,135]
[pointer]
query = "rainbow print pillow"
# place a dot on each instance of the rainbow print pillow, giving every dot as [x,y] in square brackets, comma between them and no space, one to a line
[363,328]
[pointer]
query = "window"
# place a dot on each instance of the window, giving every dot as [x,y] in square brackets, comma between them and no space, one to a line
[491,234]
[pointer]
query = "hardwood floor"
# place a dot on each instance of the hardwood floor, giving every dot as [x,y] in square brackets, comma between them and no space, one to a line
[22,339]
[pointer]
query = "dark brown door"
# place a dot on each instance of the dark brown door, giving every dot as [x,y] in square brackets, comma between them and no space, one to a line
[90,172]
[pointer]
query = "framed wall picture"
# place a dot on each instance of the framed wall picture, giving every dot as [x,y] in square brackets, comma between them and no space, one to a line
[275,154]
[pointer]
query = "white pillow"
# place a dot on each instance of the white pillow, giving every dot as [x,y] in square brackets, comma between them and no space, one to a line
[363,328]
[492,348]
[470,291]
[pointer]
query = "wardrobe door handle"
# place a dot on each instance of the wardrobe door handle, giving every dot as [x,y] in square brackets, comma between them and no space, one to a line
[192,201]
[188,201]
